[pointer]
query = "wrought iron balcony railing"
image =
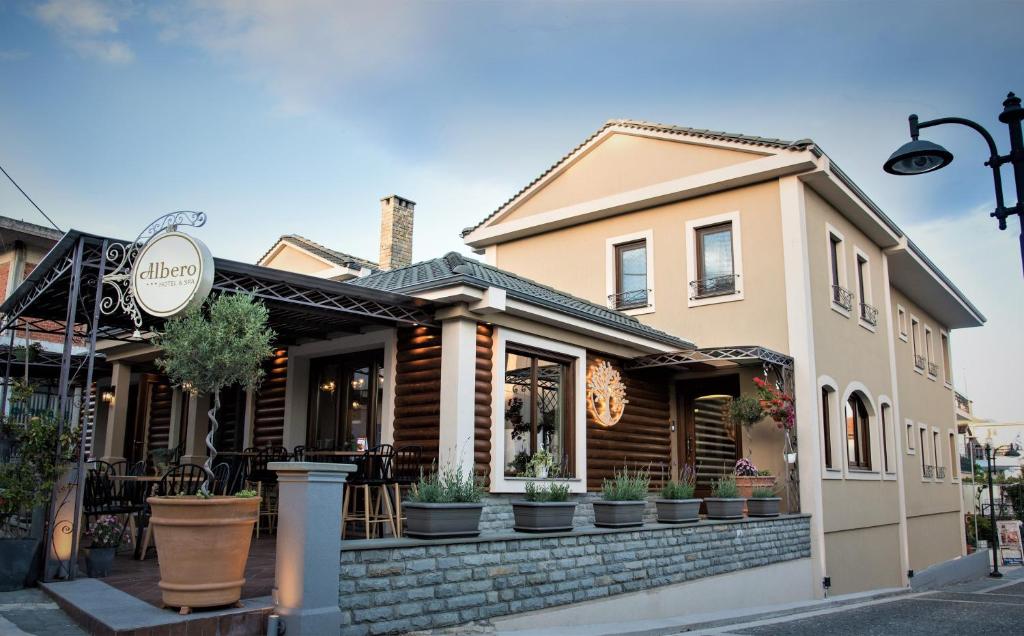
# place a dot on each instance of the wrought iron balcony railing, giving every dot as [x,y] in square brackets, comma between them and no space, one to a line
[842,297]
[928,470]
[868,314]
[716,286]
[933,369]
[940,472]
[919,361]
[634,299]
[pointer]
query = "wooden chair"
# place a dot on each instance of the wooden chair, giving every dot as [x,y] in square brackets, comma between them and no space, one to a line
[372,480]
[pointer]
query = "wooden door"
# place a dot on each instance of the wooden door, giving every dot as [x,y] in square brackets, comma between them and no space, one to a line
[708,441]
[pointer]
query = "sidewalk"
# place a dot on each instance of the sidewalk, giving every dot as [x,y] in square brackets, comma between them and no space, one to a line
[31,611]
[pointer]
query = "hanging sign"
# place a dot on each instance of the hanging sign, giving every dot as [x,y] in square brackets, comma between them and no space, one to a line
[606,394]
[172,274]
[1011,552]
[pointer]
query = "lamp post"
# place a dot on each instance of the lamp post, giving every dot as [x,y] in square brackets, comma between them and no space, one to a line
[919,156]
[996,574]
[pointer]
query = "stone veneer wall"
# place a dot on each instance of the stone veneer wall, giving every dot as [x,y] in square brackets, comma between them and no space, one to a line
[399,585]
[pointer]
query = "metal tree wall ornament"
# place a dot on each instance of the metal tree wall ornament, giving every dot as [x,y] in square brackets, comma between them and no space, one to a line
[606,394]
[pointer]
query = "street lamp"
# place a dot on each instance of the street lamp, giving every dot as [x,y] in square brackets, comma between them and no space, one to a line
[919,156]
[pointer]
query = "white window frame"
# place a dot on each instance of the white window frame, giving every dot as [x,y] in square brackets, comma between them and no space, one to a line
[859,254]
[946,349]
[888,452]
[938,456]
[901,323]
[831,231]
[647,236]
[737,257]
[924,441]
[502,338]
[929,352]
[911,432]
[915,341]
[954,457]
[838,454]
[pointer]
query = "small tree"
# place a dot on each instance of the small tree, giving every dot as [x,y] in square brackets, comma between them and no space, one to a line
[205,351]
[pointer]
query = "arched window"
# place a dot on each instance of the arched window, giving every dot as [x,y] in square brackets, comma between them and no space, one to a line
[858,440]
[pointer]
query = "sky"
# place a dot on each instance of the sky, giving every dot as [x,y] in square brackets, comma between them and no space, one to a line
[297,117]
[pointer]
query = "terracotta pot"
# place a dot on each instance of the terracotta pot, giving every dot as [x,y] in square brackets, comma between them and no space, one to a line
[202,545]
[747,485]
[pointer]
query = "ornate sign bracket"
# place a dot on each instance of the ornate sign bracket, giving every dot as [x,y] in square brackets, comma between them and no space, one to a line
[123,256]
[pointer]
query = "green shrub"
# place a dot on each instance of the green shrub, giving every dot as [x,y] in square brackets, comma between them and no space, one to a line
[627,485]
[448,485]
[763,492]
[552,492]
[725,488]
[1015,493]
[683,487]
[246,494]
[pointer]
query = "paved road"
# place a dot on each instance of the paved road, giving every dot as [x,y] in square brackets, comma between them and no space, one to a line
[32,612]
[988,606]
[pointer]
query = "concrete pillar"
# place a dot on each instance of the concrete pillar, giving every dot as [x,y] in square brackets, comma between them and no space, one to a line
[117,413]
[198,427]
[458,393]
[308,564]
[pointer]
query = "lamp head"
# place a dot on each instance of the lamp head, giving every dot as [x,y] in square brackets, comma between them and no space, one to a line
[917,156]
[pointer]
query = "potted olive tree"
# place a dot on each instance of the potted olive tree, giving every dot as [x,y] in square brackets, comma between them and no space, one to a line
[445,503]
[204,540]
[623,499]
[725,501]
[763,502]
[677,504]
[544,509]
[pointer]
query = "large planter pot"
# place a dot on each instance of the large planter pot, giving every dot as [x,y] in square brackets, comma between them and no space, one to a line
[98,561]
[442,520]
[763,506]
[203,545]
[746,485]
[619,514]
[543,516]
[725,508]
[678,510]
[16,559]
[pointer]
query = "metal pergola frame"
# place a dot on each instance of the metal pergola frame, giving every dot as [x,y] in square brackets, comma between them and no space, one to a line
[741,355]
[67,295]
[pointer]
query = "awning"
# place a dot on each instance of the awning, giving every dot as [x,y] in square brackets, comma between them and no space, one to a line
[712,358]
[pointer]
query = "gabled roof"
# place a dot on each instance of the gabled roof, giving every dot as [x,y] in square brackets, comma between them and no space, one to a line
[30,233]
[333,256]
[454,268]
[636,124]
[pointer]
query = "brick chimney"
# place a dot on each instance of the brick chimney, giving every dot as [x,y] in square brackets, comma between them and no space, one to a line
[396,232]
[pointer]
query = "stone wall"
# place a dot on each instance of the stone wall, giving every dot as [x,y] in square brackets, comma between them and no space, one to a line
[399,585]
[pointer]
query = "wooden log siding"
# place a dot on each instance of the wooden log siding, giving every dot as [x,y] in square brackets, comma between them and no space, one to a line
[641,439]
[482,417]
[268,415]
[418,391]
[160,414]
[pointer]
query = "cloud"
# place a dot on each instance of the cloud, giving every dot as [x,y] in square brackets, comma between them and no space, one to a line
[89,27]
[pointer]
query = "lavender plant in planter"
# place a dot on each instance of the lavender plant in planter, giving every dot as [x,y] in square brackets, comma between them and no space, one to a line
[624,499]
[544,509]
[763,503]
[725,501]
[677,504]
[445,503]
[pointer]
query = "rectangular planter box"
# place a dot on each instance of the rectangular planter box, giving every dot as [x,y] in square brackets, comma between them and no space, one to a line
[678,510]
[543,516]
[619,514]
[721,508]
[763,507]
[442,520]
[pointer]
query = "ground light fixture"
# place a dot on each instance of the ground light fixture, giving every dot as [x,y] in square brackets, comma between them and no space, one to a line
[919,156]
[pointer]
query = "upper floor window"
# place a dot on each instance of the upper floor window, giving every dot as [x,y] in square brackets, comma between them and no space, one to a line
[631,288]
[947,363]
[929,352]
[841,297]
[954,458]
[858,438]
[714,261]
[887,441]
[901,321]
[915,344]
[826,408]
[868,314]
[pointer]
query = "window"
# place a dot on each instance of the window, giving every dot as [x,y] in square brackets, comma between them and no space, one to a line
[937,454]
[826,408]
[858,441]
[715,266]
[538,413]
[841,297]
[915,344]
[933,368]
[886,441]
[867,313]
[954,458]
[947,363]
[630,275]
[901,320]
[910,437]
[926,470]
[345,401]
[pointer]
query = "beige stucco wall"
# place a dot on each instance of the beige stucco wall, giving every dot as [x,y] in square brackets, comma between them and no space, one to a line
[295,260]
[623,162]
[863,559]
[574,259]
[933,539]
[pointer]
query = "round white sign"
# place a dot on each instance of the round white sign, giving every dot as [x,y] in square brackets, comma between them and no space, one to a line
[172,274]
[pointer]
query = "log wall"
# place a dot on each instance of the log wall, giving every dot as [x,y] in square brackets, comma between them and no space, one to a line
[268,419]
[160,414]
[418,390]
[482,415]
[641,439]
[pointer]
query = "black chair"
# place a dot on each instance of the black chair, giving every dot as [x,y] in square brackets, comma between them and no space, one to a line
[406,471]
[102,497]
[184,479]
[373,481]
[299,454]
[265,481]
[222,479]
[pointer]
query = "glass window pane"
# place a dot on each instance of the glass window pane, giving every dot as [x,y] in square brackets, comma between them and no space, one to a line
[633,268]
[358,409]
[551,408]
[518,410]
[325,415]
[535,411]
[716,253]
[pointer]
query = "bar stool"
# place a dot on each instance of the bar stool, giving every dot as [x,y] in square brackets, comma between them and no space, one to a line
[265,481]
[373,481]
[406,474]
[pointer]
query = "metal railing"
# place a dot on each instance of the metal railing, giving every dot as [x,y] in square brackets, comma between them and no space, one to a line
[869,314]
[634,299]
[940,472]
[716,286]
[933,369]
[919,361]
[842,297]
[928,471]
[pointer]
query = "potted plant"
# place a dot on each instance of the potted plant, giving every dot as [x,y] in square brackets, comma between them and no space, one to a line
[204,540]
[725,501]
[624,498]
[26,353]
[39,453]
[749,477]
[763,502]
[445,503]
[677,504]
[540,463]
[544,509]
[106,536]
